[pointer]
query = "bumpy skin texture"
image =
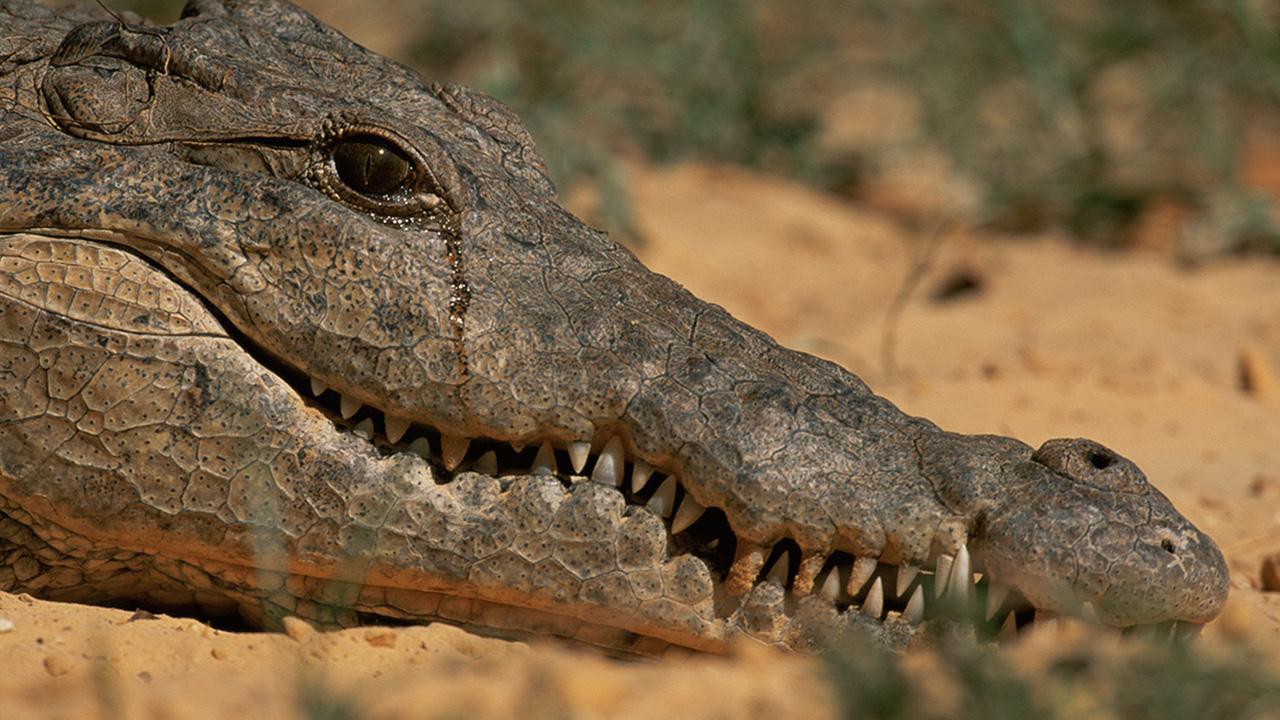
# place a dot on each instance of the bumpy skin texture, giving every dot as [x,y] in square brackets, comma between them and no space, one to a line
[193,229]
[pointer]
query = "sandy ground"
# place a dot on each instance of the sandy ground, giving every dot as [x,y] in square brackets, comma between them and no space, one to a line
[1053,341]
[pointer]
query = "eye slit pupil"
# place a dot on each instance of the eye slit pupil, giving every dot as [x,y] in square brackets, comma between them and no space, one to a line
[371,165]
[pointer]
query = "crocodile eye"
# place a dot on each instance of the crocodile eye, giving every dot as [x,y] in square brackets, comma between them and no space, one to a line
[370,165]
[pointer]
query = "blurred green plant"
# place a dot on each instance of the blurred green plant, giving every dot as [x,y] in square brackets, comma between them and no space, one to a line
[1084,113]
[1079,115]
[1144,679]
[1073,114]
[722,79]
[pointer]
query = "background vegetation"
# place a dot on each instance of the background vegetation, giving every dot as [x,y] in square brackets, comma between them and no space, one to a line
[1082,115]
[1084,676]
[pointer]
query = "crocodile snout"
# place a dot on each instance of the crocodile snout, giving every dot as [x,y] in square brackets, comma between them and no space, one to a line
[1081,524]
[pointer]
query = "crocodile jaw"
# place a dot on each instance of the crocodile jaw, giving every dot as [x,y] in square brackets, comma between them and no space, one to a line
[491,322]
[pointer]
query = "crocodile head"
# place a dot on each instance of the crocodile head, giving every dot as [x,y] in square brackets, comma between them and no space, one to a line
[288,330]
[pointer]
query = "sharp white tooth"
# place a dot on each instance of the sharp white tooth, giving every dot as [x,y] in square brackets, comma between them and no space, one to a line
[1089,613]
[453,448]
[942,575]
[545,461]
[863,569]
[664,500]
[1046,621]
[914,612]
[396,428]
[487,464]
[420,447]
[961,578]
[689,512]
[640,472]
[350,406]
[781,568]
[364,428]
[1183,630]
[1008,630]
[830,588]
[578,452]
[996,595]
[609,465]
[906,573]
[873,606]
[318,388]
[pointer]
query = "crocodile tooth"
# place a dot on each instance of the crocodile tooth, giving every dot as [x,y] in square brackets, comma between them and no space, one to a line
[688,513]
[364,428]
[961,579]
[318,388]
[906,573]
[873,606]
[1045,621]
[863,569]
[914,611]
[350,406]
[1182,629]
[545,461]
[578,453]
[453,448]
[664,500]
[810,566]
[420,447]
[996,595]
[830,587]
[640,473]
[781,568]
[941,574]
[487,464]
[609,464]
[1008,629]
[1089,613]
[396,428]
[748,558]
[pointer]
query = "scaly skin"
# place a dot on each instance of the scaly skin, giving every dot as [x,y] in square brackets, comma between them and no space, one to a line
[190,248]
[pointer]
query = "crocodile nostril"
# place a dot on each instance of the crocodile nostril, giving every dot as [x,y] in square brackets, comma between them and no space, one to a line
[1100,461]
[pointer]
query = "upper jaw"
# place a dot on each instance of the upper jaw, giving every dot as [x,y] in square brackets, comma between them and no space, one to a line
[1121,555]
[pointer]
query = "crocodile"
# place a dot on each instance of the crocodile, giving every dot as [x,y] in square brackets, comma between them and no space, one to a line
[286,330]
